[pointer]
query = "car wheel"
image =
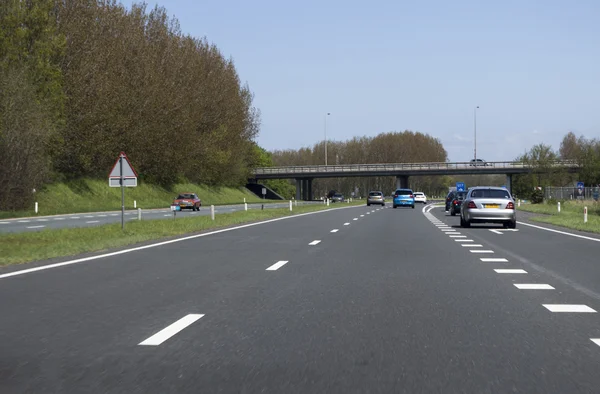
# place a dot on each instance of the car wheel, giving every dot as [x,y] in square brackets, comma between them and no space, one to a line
[452,213]
[413,206]
[368,205]
[394,206]
[512,224]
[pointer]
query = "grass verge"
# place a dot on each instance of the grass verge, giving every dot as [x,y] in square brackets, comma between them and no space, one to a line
[570,216]
[89,195]
[47,244]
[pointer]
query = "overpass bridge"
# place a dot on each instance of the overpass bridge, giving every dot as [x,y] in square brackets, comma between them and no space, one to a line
[304,175]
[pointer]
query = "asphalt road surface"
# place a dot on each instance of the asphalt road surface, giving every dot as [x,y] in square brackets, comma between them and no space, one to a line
[352,300]
[99,218]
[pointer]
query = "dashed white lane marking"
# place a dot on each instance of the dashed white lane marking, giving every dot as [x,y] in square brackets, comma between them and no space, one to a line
[346,224]
[481,251]
[64,218]
[458,236]
[4,222]
[93,221]
[315,242]
[493,260]
[171,330]
[335,230]
[580,308]
[471,245]
[362,216]
[596,341]
[533,286]
[102,216]
[42,220]
[167,215]
[36,226]
[355,219]
[116,214]
[510,271]
[88,217]
[463,240]
[276,266]
[368,213]
[23,221]
[74,217]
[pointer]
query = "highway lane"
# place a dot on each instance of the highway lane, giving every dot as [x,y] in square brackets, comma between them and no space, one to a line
[390,302]
[99,218]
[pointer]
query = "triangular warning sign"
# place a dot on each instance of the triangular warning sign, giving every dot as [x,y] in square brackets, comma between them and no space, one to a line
[128,171]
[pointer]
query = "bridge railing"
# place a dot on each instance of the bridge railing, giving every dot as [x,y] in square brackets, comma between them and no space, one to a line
[406,167]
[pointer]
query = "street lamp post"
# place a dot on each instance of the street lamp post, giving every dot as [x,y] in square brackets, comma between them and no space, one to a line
[326,137]
[475,130]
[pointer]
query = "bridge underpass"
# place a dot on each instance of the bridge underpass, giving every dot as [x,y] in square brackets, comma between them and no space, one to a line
[304,175]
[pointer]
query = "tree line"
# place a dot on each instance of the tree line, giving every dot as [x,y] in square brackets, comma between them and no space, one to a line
[391,147]
[82,80]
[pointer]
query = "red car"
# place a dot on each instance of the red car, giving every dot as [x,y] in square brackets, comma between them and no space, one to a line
[188,201]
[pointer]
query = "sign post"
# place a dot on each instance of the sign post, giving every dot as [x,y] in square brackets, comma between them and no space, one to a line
[122,175]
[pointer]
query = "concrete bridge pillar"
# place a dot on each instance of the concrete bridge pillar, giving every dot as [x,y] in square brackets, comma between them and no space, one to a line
[309,189]
[509,182]
[402,182]
[298,189]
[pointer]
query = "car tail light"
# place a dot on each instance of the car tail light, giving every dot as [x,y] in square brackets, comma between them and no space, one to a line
[395,195]
[471,205]
[455,202]
[411,196]
[510,205]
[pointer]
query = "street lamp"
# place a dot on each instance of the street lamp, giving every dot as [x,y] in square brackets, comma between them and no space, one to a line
[326,137]
[475,127]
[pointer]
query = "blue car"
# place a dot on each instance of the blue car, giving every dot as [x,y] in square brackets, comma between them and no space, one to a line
[404,198]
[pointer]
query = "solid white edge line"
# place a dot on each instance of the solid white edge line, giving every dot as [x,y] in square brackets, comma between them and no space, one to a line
[596,341]
[576,308]
[510,271]
[493,260]
[93,221]
[171,330]
[76,261]
[533,286]
[277,265]
[560,232]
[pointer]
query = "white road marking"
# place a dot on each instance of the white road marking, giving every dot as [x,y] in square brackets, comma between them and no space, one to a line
[23,221]
[116,214]
[74,217]
[463,240]
[481,251]
[171,330]
[497,232]
[561,232]
[162,243]
[36,226]
[88,217]
[596,341]
[276,266]
[368,213]
[64,218]
[4,222]
[355,219]
[102,216]
[569,308]
[457,236]
[362,216]
[533,286]
[510,271]
[42,220]
[93,221]
[163,215]
[346,224]
[472,245]
[493,260]
[315,242]
[335,230]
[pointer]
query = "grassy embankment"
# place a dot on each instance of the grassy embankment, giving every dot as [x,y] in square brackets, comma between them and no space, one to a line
[570,216]
[95,196]
[35,246]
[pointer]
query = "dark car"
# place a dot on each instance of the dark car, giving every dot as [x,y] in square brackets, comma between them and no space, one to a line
[449,199]
[188,201]
[337,197]
[456,202]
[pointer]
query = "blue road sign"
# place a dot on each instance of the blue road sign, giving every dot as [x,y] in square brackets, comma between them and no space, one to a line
[460,186]
[580,185]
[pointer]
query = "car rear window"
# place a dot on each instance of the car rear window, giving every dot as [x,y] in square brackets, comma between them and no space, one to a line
[375,194]
[337,195]
[402,192]
[418,194]
[490,193]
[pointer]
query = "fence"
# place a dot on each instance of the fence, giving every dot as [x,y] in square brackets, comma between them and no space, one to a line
[572,193]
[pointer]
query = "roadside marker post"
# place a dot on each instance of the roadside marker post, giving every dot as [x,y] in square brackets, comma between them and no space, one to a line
[212,212]
[296,202]
[139,213]
[36,207]
[245,206]
[559,207]
[122,175]
[585,214]
[290,205]
[327,202]
[134,204]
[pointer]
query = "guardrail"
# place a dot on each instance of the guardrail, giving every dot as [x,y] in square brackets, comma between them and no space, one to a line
[399,167]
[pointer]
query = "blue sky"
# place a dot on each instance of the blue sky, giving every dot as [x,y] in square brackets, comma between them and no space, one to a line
[533,67]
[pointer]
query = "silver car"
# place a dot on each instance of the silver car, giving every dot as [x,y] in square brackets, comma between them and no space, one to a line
[375,198]
[488,205]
